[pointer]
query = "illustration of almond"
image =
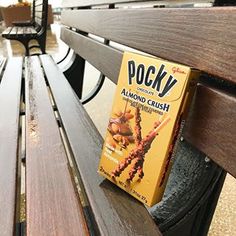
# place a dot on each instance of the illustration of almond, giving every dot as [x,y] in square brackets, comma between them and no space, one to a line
[125,129]
[115,128]
[111,143]
[128,116]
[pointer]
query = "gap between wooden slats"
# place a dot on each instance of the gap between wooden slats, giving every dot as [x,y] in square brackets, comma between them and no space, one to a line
[203,38]
[113,209]
[10,88]
[51,200]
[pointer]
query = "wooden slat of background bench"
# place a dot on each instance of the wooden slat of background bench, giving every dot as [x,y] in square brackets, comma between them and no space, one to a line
[13,32]
[109,63]
[51,201]
[10,88]
[7,30]
[203,38]
[116,213]
[211,126]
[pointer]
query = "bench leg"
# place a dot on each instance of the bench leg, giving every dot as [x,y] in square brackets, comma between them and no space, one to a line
[42,43]
[204,216]
[26,45]
[191,194]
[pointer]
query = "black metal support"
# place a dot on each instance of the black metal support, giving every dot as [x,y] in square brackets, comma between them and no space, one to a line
[42,43]
[206,212]
[224,3]
[191,194]
[67,53]
[95,90]
[26,46]
[75,75]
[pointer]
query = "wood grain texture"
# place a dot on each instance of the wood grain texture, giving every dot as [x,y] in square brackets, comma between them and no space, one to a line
[202,38]
[51,201]
[115,212]
[82,3]
[211,126]
[10,87]
[85,3]
[14,32]
[104,58]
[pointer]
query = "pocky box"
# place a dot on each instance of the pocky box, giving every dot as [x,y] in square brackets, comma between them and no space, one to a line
[149,107]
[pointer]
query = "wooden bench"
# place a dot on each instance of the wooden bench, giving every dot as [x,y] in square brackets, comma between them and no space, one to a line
[46,123]
[36,29]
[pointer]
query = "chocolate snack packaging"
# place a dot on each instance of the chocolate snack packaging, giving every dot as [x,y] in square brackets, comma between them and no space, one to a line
[149,108]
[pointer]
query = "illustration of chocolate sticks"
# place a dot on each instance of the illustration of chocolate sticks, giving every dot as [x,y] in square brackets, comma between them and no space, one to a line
[137,127]
[138,139]
[138,153]
[138,161]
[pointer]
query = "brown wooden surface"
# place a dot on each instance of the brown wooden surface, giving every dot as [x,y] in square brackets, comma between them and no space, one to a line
[51,202]
[203,38]
[14,32]
[84,3]
[211,126]
[116,213]
[10,87]
[104,58]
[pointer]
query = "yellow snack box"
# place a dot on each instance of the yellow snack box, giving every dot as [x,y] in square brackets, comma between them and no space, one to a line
[149,108]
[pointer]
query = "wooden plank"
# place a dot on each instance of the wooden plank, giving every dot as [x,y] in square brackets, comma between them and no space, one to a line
[202,38]
[20,30]
[13,31]
[10,88]
[39,14]
[7,31]
[30,30]
[104,58]
[51,201]
[211,126]
[82,3]
[116,212]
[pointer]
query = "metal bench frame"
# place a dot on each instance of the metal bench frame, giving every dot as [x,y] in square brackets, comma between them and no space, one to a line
[38,23]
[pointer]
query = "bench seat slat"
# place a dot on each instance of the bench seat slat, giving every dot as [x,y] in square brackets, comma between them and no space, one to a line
[211,126]
[10,89]
[51,200]
[188,36]
[7,31]
[13,32]
[115,212]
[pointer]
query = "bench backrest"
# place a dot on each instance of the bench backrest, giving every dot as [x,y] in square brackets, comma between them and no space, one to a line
[40,13]
[204,38]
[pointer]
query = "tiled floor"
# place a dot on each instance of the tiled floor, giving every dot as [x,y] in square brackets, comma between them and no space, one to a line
[224,221]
